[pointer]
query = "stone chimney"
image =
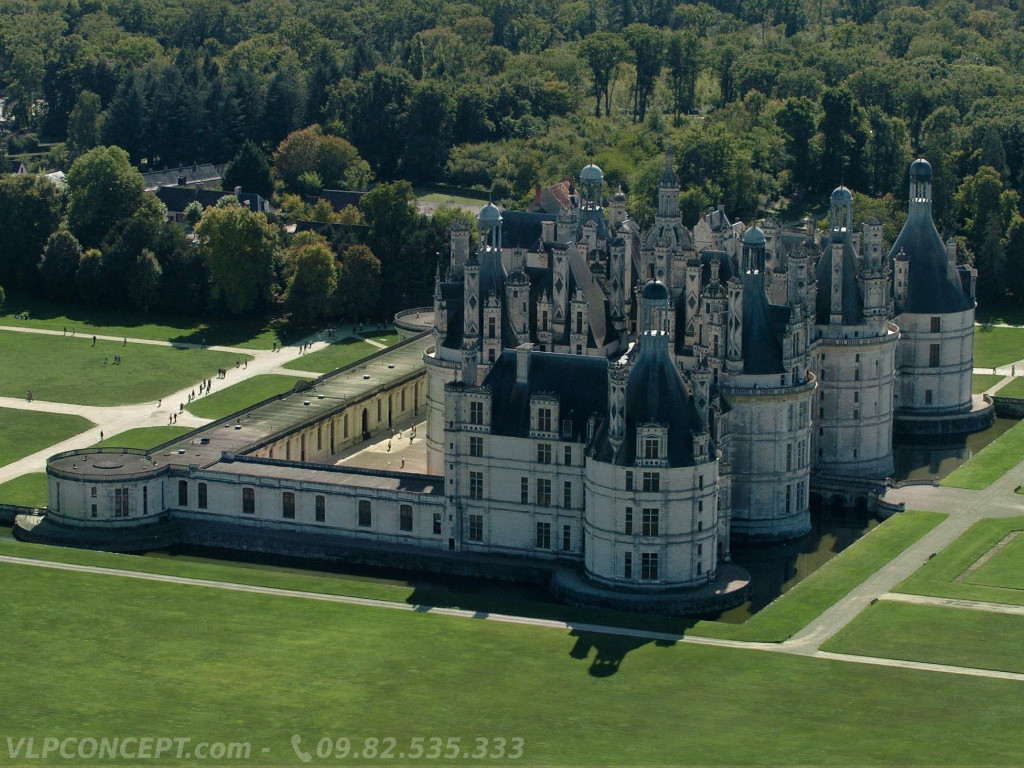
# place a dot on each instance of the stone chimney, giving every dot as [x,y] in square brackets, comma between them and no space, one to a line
[523,362]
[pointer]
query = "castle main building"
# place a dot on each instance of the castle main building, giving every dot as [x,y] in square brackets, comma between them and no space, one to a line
[606,409]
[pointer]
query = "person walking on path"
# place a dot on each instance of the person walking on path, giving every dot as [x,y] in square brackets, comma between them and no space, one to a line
[94,341]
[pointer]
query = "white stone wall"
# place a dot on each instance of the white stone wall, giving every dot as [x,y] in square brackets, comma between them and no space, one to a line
[769,453]
[853,406]
[92,502]
[688,525]
[949,383]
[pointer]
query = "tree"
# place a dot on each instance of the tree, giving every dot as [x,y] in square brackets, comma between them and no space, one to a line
[683,56]
[104,191]
[239,246]
[605,52]
[60,265]
[380,118]
[84,123]
[310,293]
[193,213]
[359,283]
[390,210]
[796,119]
[89,280]
[989,214]
[31,209]
[331,158]
[144,280]
[250,170]
[648,45]
[844,131]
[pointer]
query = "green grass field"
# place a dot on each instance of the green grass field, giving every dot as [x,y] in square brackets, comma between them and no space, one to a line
[997,346]
[241,395]
[337,355]
[27,491]
[937,577]
[71,370]
[991,462]
[387,338]
[811,597]
[1014,389]
[982,381]
[24,432]
[1004,569]
[143,437]
[223,666]
[86,321]
[934,634]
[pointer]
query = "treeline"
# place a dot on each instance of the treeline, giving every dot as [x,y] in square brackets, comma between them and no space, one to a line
[768,103]
[105,242]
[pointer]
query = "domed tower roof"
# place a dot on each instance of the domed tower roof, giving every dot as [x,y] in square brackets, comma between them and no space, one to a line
[841,195]
[591,174]
[933,286]
[654,291]
[754,237]
[489,216]
[921,169]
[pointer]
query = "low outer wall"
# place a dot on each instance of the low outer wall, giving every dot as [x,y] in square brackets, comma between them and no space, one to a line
[1009,407]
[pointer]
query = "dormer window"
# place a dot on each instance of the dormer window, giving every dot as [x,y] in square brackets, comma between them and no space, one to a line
[543,419]
[652,445]
[652,448]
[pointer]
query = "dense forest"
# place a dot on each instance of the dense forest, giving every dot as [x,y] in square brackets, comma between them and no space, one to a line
[768,104]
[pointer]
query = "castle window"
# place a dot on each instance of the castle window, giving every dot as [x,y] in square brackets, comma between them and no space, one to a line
[856,374]
[437,524]
[524,490]
[789,457]
[544,320]
[649,566]
[700,550]
[476,412]
[183,493]
[288,505]
[491,327]
[800,493]
[365,517]
[490,355]
[121,502]
[344,425]
[650,522]
[321,508]
[789,500]
[628,528]
[700,482]
[404,517]
[568,456]
[248,501]
[627,565]
[94,511]
[476,527]
[629,480]
[651,447]
[319,437]
[476,446]
[566,427]
[543,493]
[93,492]
[933,356]
[566,538]
[543,453]
[476,485]
[543,535]
[927,397]
[856,397]
[936,325]
[579,322]
[652,482]
[202,496]
[856,413]
[567,495]
[543,419]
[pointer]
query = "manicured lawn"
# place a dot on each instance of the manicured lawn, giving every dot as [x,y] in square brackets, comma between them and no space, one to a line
[811,597]
[937,577]
[982,381]
[934,634]
[124,657]
[24,432]
[28,490]
[72,370]
[387,338]
[441,197]
[86,321]
[241,395]
[144,437]
[337,355]
[991,462]
[997,346]
[1014,389]
[1003,569]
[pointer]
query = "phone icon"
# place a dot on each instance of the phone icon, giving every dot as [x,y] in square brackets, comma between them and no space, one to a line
[300,753]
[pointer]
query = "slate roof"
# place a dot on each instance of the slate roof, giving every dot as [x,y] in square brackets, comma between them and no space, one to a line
[580,382]
[177,198]
[852,300]
[202,173]
[762,350]
[522,229]
[932,287]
